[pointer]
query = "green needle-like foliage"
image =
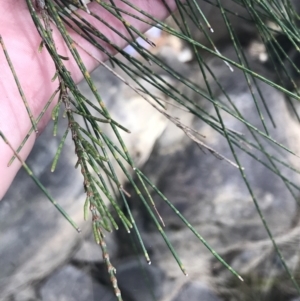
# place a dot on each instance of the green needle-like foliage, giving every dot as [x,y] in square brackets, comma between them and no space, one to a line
[98,154]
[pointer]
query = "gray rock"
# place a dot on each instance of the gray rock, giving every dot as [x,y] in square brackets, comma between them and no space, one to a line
[240,20]
[210,193]
[139,281]
[27,294]
[72,284]
[136,279]
[89,251]
[196,291]
[35,238]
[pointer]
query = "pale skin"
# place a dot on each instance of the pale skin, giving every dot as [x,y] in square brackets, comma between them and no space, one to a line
[35,70]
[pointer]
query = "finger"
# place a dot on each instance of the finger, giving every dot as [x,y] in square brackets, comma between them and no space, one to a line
[35,70]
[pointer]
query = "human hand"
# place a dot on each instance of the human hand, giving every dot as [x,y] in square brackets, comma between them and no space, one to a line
[36,69]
